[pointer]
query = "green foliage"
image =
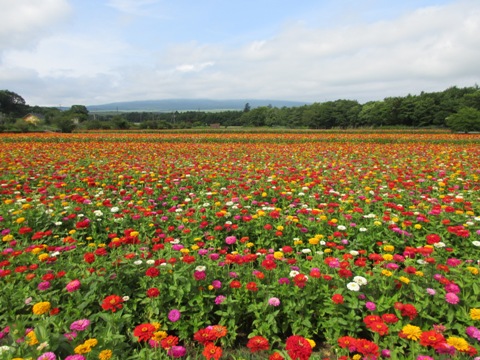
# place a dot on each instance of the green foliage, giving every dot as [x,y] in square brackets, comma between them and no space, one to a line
[11,103]
[466,119]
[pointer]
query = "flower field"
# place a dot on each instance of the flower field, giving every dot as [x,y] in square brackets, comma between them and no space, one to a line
[287,245]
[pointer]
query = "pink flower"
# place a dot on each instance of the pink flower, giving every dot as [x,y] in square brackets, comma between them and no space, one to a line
[370,306]
[174,315]
[80,325]
[47,356]
[44,285]
[273,301]
[220,299]
[73,285]
[230,240]
[452,298]
[177,351]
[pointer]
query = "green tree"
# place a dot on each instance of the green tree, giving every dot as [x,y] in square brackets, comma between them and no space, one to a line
[65,123]
[467,119]
[80,112]
[11,103]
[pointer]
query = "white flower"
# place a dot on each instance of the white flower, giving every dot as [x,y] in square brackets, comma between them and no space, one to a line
[353,286]
[354,252]
[362,229]
[4,348]
[42,346]
[150,262]
[306,251]
[114,209]
[360,280]
[294,273]
[98,213]
[476,243]
[200,268]
[58,223]
[126,298]
[439,244]
[138,262]
[421,262]
[341,227]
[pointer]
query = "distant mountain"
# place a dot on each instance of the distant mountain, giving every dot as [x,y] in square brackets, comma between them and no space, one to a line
[189,105]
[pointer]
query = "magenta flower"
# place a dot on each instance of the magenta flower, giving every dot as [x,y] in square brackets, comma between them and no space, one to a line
[75,357]
[273,301]
[370,306]
[177,351]
[452,298]
[47,356]
[73,285]
[220,299]
[230,240]
[217,284]
[44,285]
[174,315]
[424,357]
[80,325]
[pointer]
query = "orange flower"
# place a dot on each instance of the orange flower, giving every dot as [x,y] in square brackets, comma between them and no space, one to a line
[212,352]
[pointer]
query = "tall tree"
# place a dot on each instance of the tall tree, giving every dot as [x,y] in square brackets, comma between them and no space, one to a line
[11,103]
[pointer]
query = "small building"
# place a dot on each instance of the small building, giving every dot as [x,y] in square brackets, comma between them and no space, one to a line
[32,118]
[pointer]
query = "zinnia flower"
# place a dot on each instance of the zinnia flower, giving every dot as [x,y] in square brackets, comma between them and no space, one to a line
[112,303]
[177,351]
[80,325]
[220,299]
[370,306]
[475,314]
[174,315]
[144,331]
[73,285]
[298,347]
[41,308]
[337,299]
[452,298]
[353,286]
[258,343]
[47,356]
[411,332]
[212,352]
[273,301]
[105,354]
[458,343]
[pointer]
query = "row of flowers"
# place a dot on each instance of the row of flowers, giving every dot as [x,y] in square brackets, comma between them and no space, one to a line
[131,249]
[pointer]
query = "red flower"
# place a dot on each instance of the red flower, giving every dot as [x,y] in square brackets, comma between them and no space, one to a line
[276,356]
[409,310]
[347,342]
[367,348]
[212,352]
[431,338]
[369,319]
[205,336]
[300,280]
[258,343]
[153,292]
[152,272]
[269,264]
[378,327]
[112,302]
[235,284]
[252,286]
[168,342]
[298,348]
[389,318]
[337,299]
[89,257]
[144,332]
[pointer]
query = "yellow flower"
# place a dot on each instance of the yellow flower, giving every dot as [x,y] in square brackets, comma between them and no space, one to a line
[20,220]
[250,244]
[356,357]
[412,332]
[404,279]
[156,325]
[387,257]
[388,248]
[386,273]
[417,226]
[159,335]
[313,241]
[43,257]
[82,349]
[473,270]
[297,242]
[195,247]
[91,342]
[32,338]
[419,273]
[280,228]
[312,343]
[278,255]
[41,308]
[134,233]
[458,343]
[475,314]
[71,232]
[105,354]
[8,237]
[327,251]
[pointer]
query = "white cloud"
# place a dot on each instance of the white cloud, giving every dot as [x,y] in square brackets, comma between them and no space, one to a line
[133,7]
[429,49]
[23,22]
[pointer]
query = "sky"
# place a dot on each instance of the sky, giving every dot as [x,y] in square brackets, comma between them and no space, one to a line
[89,52]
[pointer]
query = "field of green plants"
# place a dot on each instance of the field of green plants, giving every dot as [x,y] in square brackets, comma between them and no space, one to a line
[324,245]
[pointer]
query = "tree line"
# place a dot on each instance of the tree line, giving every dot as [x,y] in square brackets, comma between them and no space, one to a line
[455,108]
